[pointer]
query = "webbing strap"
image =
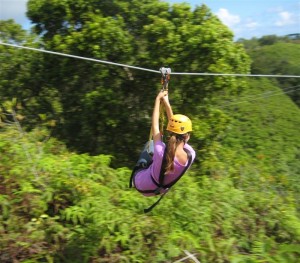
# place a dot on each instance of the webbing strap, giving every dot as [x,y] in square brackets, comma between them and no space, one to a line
[184,170]
[135,170]
[169,185]
[146,210]
[163,170]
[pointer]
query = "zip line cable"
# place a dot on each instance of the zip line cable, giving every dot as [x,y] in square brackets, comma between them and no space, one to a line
[263,95]
[79,57]
[267,93]
[258,97]
[145,69]
[250,98]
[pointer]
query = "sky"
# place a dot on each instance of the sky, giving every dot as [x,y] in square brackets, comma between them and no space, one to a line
[246,18]
[255,18]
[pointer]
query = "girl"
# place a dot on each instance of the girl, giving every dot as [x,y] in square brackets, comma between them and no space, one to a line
[147,180]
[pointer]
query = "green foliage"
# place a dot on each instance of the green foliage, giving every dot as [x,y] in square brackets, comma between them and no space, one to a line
[22,76]
[11,32]
[239,202]
[278,56]
[75,208]
[262,127]
[96,108]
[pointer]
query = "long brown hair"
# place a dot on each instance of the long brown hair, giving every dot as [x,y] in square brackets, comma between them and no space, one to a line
[173,142]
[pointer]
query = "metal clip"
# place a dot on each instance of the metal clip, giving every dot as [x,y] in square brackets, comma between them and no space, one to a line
[165,77]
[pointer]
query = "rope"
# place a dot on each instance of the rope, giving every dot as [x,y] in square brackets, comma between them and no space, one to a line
[79,57]
[235,75]
[263,95]
[145,69]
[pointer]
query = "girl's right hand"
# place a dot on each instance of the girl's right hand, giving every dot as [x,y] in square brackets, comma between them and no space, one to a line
[166,99]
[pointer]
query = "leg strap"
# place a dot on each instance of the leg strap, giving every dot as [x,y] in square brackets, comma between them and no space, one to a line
[135,170]
[155,204]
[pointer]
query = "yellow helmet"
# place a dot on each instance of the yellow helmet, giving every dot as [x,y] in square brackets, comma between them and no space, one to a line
[179,124]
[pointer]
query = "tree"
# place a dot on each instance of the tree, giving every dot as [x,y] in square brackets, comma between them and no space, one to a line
[24,76]
[107,108]
[239,204]
[268,40]
[75,208]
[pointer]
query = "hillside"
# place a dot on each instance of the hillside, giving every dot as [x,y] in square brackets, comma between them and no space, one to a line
[70,131]
[278,56]
[264,130]
[264,122]
[59,206]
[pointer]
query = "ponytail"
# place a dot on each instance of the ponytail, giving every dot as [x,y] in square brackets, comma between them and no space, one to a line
[173,142]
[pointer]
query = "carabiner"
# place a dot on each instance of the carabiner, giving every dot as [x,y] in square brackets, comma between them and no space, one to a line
[165,77]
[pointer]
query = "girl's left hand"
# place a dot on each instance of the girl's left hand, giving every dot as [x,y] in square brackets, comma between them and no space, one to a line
[162,94]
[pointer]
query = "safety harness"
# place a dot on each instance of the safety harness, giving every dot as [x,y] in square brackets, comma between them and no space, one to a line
[160,185]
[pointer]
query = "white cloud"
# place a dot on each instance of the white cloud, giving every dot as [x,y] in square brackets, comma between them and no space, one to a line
[285,18]
[251,25]
[227,18]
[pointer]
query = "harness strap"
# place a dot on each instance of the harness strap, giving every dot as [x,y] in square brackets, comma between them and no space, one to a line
[134,172]
[160,185]
[184,170]
[155,191]
[163,170]
[161,179]
[146,210]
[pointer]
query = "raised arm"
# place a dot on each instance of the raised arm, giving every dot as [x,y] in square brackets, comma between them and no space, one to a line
[168,106]
[155,115]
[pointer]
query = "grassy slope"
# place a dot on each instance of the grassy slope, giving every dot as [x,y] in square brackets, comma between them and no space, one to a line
[80,210]
[263,118]
[279,58]
[269,58]
[265,131]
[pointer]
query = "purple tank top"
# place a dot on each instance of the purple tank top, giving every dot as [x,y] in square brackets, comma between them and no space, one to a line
[142,179]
